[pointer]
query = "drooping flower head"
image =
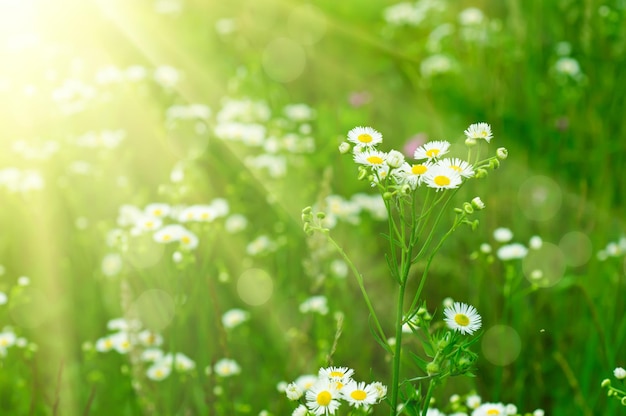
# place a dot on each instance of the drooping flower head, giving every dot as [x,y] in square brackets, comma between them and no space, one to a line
[479,131]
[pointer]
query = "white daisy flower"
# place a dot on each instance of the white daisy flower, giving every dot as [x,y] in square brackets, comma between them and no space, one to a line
[300,411]
[380,388]
[412,174]
[234,317]
[619,373]
[479,131]
[322,398]
[463,318]
[371,157]
[512,252]
[364,136]
[293,391]
[158,210]
[159,370]
[432,150]
[473,401]
[306,381]
[340,374]
[502,235]
[359,394]
[440,177]
[226,367]
[462,167]
[489,409]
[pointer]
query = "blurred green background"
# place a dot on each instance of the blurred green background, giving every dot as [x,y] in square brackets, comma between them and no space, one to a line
[95,100]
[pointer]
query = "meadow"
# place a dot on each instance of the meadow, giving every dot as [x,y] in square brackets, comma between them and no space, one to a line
[242,208]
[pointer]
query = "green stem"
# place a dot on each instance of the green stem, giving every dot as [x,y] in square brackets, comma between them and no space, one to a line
[429,394]
[395,381]
[359,279]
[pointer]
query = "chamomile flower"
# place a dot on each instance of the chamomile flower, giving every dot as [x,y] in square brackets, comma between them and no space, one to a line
[371,157]
[479,131]
[432,150]
[306,381]
[512,251]
[226,368]
[364,136]
[322,398]
[359,394]
[412,174]
[234,317]
[300,411]
[502,234]
[159,370]
[463,318]
[380,389]
[462,167]
[340,374]
[440,177]
[293,391]
[489,409]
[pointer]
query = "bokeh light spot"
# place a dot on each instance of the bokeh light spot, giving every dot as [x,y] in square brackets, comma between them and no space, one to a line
[548,259]
[539,198]
[284,60]
[32,309]
[144,252]
[255,287]
[501,345]
[307,24]
[576,248]
[154,308]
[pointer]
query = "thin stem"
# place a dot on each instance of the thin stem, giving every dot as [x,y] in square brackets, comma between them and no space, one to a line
[395,382]
[359,279]
[429,393]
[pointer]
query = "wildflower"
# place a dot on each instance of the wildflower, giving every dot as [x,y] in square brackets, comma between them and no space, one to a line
[479,131]
[436,64]
[301,410]
[473,401]
[321,399]
[152,355]
[489,409]
[440,177]
[502,235]
[189,240]
[342,375]
[359,394]
[619,373]
[306,381]
[293,391]
[462,167]
[159,370]
[512,251]
[431,150]
[157,210]
[510,409]
[380,389]
[104,344]
[3,298]
[121,342]
[395,159]
[183,363]
[226,368]
[535,242]
[434,412]
[412,174]
[149,338]
[478,203]
[485,248]
[463,318]
[111,264]
[471,17]
[370,157]
[364,136]
[538,412]
[344,148]
[234,317]
[568,66]
[317,304]
[7,339]
[235,223]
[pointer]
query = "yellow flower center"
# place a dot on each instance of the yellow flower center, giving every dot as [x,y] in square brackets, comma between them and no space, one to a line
[358,395]
[166,237]
[324,398]
[419,169]
[4,342]
[364,138]
[457,168]
[493,412]
[158,212]
[432,152]
[463,320]
[185,240]
[442,180]
[375,160]
[336,374]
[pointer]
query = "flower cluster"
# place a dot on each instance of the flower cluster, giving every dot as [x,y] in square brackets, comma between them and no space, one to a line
[472,405]
[617,391]
[324,394]
[429,167]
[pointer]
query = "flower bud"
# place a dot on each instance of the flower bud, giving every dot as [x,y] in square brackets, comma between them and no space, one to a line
[494,164]
[344,148]
[467,207]
[481,173]
[605,383]
[502,153]
[406,189]
[432,368]
[619,373]
[387,195]
[362,173]
[478,203]
[394,159]
[470,142]
[321,215]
